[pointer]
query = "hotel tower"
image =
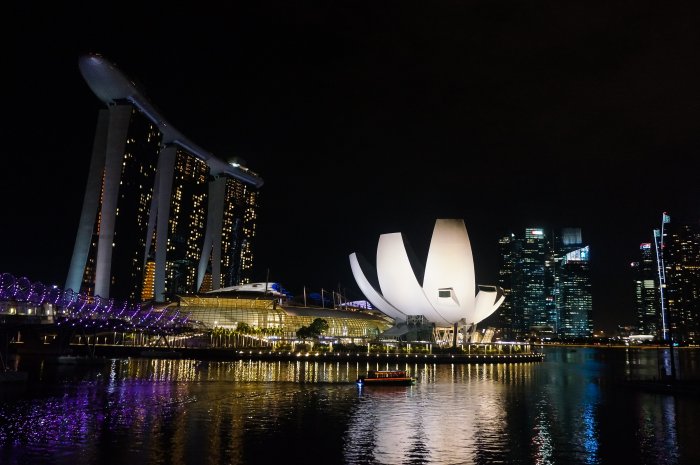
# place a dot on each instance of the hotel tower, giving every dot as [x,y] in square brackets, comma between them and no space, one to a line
[161,216]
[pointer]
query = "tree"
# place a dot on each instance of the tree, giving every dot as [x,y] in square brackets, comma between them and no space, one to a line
[318,327]
[314,330]
[244,328]
[304,333]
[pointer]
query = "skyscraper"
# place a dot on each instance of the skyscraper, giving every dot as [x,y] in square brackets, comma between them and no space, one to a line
[508,320]
[547,282]
[678,248]
[646,299]
[160,213]
[572,286]
[532,285]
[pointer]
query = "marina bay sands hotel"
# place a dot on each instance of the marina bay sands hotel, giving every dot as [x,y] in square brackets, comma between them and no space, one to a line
[161,216]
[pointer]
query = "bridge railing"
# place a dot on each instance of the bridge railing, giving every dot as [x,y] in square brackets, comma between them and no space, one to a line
[22,297]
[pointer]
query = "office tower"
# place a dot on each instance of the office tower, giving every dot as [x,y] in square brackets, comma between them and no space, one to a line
[525,276]
[646,300]
[160,213]
[531,286]
[547,283]
[508,320]
[678,248]
[659,249]
[572,287]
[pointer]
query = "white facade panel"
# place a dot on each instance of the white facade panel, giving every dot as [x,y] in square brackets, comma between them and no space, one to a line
[485,305]
[450,265]
[398,281]
[371,294]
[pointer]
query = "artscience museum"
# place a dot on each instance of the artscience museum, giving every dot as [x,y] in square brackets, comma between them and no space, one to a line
[441,295]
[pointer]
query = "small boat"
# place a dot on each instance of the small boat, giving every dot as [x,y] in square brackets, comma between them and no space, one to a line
[386,378]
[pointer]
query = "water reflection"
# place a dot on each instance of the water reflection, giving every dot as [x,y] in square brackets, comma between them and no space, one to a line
[589,434]
[567,409]
[83,417]
[455,414]
[657,427]
[542,438]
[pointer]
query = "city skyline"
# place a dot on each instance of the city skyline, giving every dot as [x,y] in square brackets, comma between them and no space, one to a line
[365,121]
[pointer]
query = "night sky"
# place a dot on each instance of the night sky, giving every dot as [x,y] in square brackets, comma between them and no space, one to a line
[371,117]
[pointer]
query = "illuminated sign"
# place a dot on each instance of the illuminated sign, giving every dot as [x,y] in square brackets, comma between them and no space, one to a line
[645,245]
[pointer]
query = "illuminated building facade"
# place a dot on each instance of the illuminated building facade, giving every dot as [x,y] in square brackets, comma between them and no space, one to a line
[548,280]
[646,299]
[510,250]
[160,214]
[444,294]
[279,318]
[678,251]
[532,283]
[572,286]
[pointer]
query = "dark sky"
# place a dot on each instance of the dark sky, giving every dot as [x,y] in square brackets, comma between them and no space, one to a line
[370,117]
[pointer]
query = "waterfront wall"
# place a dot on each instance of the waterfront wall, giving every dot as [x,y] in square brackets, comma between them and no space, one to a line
[232,354]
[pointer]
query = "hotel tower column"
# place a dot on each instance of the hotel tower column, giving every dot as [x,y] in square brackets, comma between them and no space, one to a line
[212,236]
[119,118]
[165,173]
[91,201]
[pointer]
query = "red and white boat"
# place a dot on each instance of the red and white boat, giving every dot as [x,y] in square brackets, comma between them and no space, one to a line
[386,378]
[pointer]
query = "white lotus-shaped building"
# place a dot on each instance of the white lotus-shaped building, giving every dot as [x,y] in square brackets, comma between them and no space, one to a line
[448,294]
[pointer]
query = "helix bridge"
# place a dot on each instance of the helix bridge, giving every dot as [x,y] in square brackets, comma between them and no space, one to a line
[20,298]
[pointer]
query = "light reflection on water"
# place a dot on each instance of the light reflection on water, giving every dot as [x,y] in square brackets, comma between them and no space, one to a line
[564,410]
